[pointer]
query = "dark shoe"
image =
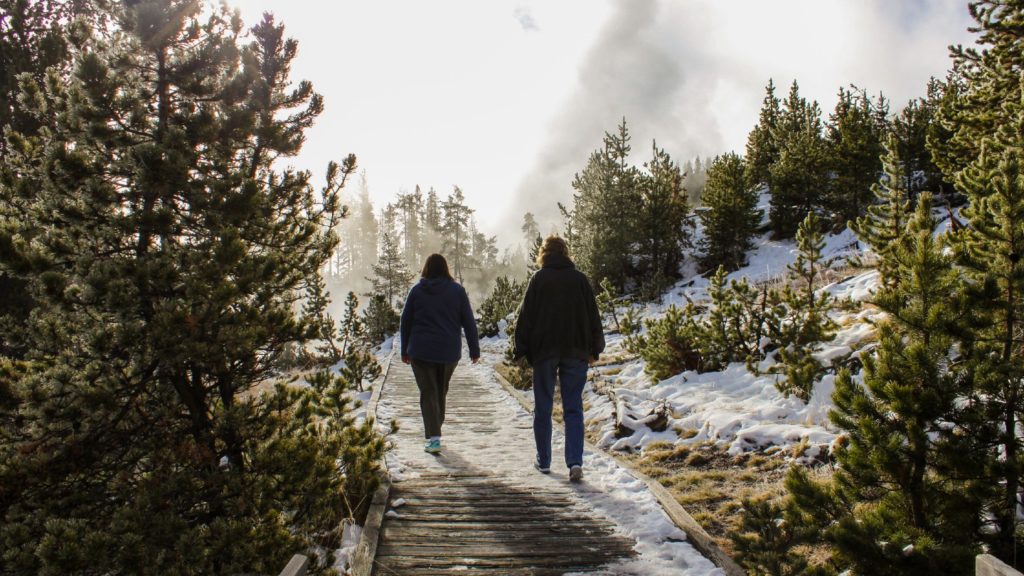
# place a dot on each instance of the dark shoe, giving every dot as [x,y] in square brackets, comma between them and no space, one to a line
[541,469]
[575,474]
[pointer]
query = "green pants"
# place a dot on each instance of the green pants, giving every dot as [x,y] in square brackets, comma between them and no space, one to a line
[432,379]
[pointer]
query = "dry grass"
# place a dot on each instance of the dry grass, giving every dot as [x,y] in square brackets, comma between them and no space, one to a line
[710,484]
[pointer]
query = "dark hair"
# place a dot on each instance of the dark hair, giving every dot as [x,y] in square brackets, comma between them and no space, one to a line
[436,267]
[553,247]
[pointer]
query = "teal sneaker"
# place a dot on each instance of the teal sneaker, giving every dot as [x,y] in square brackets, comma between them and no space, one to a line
[432,447]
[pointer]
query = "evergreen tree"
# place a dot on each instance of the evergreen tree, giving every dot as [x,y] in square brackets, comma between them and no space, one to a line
[169,259]
[671,344]
[411,207]
[357,249]
[531,256]
[531,231]
[694,177]
[984,118]
[600,225]
[886,220]
[942,153]
[351,331]
[730,216]
[380,318]
[391,276]
[37,39]
[432,211]
[661,223]
[800,176]
[501,303]
[808,322]
[762,143]
[455,220]
[990,248]
[854,140]
[906,481]
[738,318]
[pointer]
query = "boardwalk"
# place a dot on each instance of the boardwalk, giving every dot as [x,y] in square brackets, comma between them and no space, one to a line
[481,508]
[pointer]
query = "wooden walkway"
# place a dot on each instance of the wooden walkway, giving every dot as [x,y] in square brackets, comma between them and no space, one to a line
[480,507]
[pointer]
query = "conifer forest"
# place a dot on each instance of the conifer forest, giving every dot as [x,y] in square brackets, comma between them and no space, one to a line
[815,342]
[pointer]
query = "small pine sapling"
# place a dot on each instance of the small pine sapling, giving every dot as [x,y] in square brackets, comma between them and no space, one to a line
[808,323]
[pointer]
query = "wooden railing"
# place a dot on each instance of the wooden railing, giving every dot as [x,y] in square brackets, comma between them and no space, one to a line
[297,566]
[988,565]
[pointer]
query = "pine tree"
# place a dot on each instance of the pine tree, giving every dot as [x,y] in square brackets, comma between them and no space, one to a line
[907,480]
[391,276]
[661,223]
[990,248]
[36,39]
[800,176]
[169,259]
[886,220]
[455,219]
[499,304]
[762,143]
[432,212]
[738,318]
[984,117]
[808,322]
[357,249]
[730,216]
[671,344]
[380,318]
[531,256]
[351,331]
[530,228]
[411,208]
[943,154]
[854,140]
[600,225]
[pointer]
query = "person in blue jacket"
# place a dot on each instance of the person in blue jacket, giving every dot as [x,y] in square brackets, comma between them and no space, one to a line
[436,313]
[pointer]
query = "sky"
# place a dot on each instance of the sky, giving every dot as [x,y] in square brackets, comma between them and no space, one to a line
[507,98]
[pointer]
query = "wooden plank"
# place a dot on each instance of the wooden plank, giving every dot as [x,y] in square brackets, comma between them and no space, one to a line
[506,538]
[442,497]
[436,529]
[297,566]
[568,562]
[489,551]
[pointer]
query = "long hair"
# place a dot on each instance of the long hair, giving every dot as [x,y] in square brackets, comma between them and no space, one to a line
[553,247]
[436,267]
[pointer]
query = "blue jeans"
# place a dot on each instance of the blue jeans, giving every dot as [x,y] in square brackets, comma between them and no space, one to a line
[572,376]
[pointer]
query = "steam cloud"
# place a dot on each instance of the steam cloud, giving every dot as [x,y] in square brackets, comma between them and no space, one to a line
[633,72]
[691,76]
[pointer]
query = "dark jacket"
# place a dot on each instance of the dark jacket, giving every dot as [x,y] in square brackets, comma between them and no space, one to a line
[436,312]
[558,317]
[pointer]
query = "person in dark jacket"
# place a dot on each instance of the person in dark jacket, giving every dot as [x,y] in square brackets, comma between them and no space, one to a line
[436,313]
[559,332]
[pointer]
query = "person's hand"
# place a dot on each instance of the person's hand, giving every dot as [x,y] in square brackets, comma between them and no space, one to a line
[406,358]
[476,360]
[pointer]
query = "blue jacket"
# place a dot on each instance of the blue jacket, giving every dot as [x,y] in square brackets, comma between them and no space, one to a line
[436,311]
